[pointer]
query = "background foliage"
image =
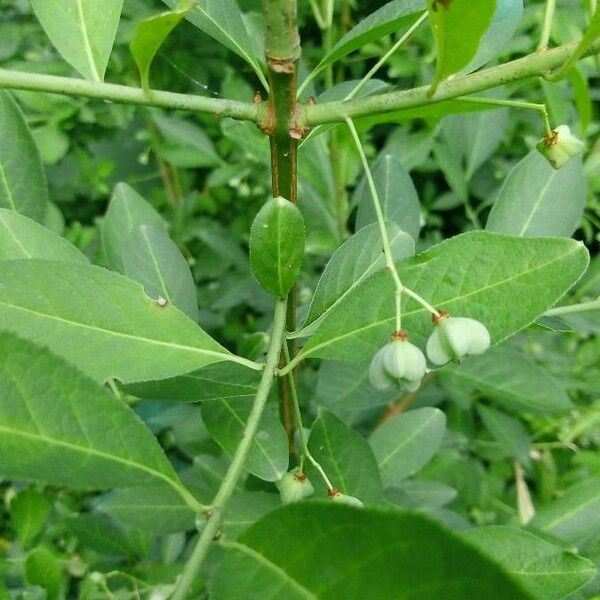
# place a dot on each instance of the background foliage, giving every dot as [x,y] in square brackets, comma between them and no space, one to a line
[501,450]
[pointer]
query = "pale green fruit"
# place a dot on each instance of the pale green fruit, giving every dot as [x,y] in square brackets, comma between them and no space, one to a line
[455,337]
[398,363]
[560,146]
[294,486]
[345,499]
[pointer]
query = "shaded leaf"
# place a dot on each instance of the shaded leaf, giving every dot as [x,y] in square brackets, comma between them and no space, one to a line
[150,35]
[21,237]
[547,571]
[537,200]
[346,458]
[355,260]
[506,19]
[407,442]
[397,194]
[83,31]
[223,21]
[512,379]
[392,17]
[575,516]
[54,424]
[360,551]
[509,432]
[22,180]
[152,259]
[226,419]
[29,511]
[101,322]
[126,211]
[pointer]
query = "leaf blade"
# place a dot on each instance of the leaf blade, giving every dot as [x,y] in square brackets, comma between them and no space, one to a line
[83,31]
[102,322]
[63,444]
[359,326]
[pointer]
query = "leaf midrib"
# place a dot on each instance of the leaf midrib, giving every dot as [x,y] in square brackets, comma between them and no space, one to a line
[110,332]
[255,440]
[272,567]
[407,439]
[86,42]
[86,450]
[4,182]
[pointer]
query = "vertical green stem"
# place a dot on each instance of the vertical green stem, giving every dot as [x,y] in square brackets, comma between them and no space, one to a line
[298,415]
[282,47]
[215,516]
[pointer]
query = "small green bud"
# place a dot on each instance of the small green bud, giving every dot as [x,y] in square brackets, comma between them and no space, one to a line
[294,486]
[560,146]
[337,496]
[398,363]
[455,337]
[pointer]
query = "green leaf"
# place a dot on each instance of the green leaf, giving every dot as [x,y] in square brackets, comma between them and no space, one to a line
[419,494]
[537,200]
[185,144]
[458,30]
[42,568]
[29,511]
[21,237]
[512,380]
[277,246]
[22,179]
[158,510]
[355,260]
[393,17]
[397,194]
[407,442]
[101,534]
[360,550]
[575,516]
[101,322]
[126,211]
[507,18]
[475,136]
[150,35]
[226,419]
[246,508]
[213,382]
[591,34]
[344,389]
[83,31]
[54,423]
[509,432]
[152,259]
[478,274]
[346,458]
[222,20]
[546,571]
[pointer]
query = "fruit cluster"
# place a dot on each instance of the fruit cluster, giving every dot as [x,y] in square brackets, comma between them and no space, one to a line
[401,363]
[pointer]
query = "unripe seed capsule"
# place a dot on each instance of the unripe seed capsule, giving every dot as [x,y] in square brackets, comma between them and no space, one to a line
[294,486]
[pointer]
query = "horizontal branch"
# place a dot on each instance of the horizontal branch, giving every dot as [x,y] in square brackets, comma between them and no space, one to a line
[67,86]
[536,64]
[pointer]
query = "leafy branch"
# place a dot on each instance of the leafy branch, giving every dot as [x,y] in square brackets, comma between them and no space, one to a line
[533,65]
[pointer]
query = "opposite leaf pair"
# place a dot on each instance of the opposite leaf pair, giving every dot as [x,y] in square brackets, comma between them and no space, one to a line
[403,364]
